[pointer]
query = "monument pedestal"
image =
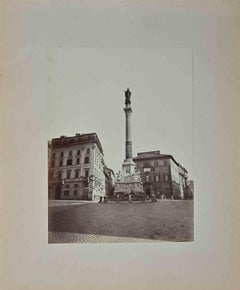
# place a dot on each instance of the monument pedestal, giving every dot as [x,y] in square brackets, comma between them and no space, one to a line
[128,167]
[130,181]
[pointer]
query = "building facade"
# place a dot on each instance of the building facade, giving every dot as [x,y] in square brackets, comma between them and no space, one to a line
[76,168]
[190,185]
[162,175]
[49,154]
[109,181]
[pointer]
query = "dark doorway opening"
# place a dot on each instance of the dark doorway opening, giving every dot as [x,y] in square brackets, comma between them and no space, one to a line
[58,192]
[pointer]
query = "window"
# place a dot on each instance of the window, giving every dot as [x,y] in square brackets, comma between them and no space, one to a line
[86,160]
[61,154]
[155,163]
[147,178]
[157,178]
[75,185]
[88,150]
[166,177]
[70,153]
[86,173]
[53,163]
[75,191]
[54,155]
[78,160]
[67,185]
[161,162]
[61,163]
[68,174]
[78,152]
[69,162]
[66,192]
[76,173]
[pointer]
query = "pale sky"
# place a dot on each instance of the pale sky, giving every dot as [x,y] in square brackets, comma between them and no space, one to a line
[86,94]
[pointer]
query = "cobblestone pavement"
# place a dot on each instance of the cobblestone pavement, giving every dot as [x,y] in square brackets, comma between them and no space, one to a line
[166,220]
[64,237]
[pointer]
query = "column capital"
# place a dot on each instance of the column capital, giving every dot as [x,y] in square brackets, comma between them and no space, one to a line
[127,110]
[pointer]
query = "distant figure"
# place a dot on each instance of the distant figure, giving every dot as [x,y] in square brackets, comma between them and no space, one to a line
[130,198]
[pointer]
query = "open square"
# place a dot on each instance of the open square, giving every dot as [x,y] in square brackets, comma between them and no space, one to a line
[164,220]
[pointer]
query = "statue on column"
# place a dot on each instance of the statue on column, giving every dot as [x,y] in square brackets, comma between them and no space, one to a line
[127,97]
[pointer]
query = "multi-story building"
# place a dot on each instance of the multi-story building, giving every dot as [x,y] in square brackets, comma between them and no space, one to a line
[76,168]
[190,185]
[109,180]
[49,165]
[162,175]
[49,154]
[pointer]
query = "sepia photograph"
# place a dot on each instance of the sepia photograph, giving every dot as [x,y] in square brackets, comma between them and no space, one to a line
[120,147]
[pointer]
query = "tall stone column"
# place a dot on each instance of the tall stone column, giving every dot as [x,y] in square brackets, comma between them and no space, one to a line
[128,164]
[130,181]
[128,113]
